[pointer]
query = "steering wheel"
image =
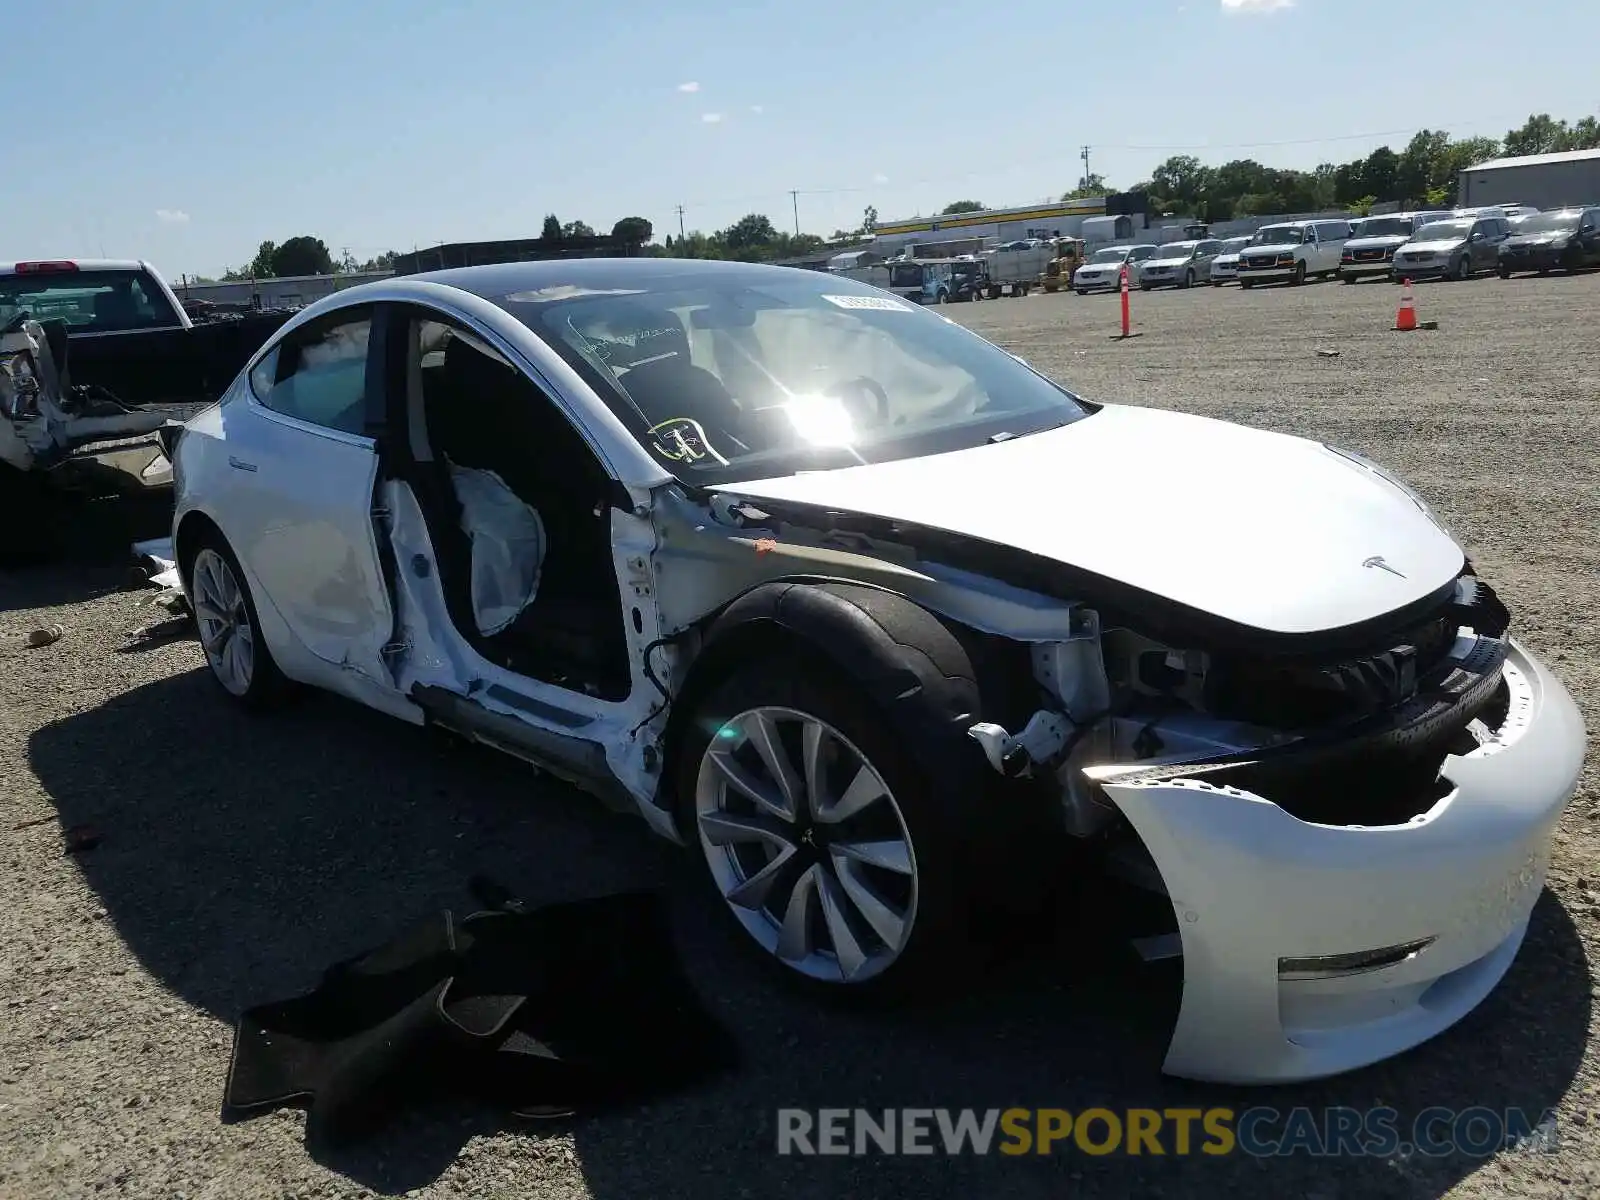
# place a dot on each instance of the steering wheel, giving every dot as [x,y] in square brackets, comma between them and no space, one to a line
[862,392]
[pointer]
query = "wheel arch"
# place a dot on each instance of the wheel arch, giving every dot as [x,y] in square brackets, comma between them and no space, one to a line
[909,662]
[191,531]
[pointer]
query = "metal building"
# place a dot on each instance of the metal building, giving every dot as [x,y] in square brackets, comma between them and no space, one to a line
[1545,181]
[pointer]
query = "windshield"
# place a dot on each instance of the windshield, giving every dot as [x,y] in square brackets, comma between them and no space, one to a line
[1443,231]
[1385,227]
[1177,250]
[1115,254]
[1549,222]
[1277,235]
[1234,245]
[746,374]
[88,301]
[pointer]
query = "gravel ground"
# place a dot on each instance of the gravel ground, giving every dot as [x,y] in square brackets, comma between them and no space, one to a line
[239,857]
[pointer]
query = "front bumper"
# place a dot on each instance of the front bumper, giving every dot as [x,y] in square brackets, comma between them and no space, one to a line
[1107,283]
[1362,268]
[1253,888]
[1267,274]
[1543,260]
[1426,270]
[1224,271]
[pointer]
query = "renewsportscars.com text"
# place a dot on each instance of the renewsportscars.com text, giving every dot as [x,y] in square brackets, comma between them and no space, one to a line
[1259,1132]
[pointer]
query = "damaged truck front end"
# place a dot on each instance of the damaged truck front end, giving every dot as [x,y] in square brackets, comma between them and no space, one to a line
[1351,827]
[53,432]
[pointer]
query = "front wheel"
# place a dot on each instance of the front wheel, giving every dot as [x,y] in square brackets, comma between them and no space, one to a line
[1463,270]
[1299,276]
[1188,279]
[230,631]
[833,849]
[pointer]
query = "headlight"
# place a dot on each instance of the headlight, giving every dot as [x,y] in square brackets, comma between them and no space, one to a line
[1364,463]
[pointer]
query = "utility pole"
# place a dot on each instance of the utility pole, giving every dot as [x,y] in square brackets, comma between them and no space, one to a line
[1086,176]
[794,196]
[680,223]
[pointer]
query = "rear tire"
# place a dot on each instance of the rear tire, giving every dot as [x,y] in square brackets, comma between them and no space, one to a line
[237,654]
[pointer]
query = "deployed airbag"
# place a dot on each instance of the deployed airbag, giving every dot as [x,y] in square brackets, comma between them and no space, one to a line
[508,544]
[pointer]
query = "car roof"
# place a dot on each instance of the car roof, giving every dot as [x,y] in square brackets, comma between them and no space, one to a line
[83,264]
[497,280]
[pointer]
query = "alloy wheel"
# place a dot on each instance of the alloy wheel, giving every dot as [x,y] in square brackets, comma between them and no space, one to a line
[226,634]
[807,844]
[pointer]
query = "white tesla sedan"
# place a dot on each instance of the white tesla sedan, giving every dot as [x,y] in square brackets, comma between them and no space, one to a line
[853,604]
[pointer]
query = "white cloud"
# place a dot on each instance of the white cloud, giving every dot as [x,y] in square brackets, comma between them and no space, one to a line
[711,118]
[691,86]
[880,179]
[757,109]
[172,216]
[1255,6]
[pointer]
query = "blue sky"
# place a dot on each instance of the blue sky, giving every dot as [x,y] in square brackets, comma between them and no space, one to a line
[186,131]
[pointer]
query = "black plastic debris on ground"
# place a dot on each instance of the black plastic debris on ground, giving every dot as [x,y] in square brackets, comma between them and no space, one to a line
[560,1010]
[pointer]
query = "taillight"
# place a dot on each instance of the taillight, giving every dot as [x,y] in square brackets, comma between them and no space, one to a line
[53,266]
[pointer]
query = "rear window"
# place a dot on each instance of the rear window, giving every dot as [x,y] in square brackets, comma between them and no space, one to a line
[88,301]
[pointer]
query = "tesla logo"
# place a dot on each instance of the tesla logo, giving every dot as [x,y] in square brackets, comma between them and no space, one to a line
[1377,561]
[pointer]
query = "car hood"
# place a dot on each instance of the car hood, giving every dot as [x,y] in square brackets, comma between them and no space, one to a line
[1110,266]
[1539,239]
[1381,242]
[1260,529]
[1435,247]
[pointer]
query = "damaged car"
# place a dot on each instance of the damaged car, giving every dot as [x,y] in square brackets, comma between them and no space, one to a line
[862,611]
[59,436]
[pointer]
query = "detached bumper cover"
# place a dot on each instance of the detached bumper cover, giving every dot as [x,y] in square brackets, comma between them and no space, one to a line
[1310,950]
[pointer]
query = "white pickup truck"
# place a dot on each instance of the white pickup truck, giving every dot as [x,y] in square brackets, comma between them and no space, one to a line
[1293,251]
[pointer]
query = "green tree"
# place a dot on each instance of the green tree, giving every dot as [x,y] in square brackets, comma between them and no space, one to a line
[1091,187]
[869,220]
[749,235]
[1182,181]
[634,229]
[1540,134]
[961,206]
[576,229]
[260,267]
[552,228]
[303,255]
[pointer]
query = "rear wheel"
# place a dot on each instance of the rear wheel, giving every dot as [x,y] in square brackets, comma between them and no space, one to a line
[230,631]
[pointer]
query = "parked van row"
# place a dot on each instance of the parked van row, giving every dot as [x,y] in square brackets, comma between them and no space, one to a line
[1428,244]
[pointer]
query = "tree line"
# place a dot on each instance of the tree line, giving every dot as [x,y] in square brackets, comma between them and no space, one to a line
[1423,173]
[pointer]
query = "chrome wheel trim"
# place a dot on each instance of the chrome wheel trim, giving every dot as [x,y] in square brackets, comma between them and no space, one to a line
[226,634]
[807,845]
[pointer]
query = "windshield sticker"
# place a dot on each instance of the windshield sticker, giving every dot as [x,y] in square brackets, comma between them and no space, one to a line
[682,440]
[875,303]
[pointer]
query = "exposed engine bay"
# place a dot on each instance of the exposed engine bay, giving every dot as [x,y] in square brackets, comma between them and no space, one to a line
[1356,740]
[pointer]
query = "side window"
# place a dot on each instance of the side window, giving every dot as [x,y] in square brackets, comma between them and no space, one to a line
[319,374]
[1210,247]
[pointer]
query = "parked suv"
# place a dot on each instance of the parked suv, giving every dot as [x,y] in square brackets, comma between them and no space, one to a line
[1180,264]
[1566,239]
[1292,251]
[1457,248]
[1371,251]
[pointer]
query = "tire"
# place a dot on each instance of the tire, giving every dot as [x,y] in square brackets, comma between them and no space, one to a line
[239,659]
[1504,272]
[1299,276]
[944,297]
[1081,291]
[1188,279]
[1144,287]
[1216,283]
[1347,279]
[1462,271]
[1247,284]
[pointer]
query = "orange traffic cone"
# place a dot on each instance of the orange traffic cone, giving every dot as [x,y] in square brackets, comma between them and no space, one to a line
[1406,319]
